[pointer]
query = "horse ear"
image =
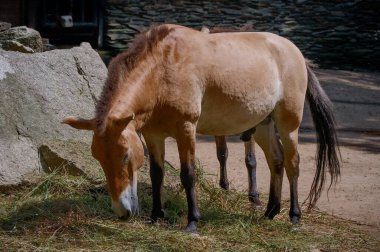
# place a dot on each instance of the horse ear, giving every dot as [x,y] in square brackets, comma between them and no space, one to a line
[120,123]
[79,123]
[205,29]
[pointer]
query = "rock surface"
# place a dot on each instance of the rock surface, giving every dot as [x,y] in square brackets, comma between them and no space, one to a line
[25,36]
[4,26]
[11,45]
[37,92]
[72,157]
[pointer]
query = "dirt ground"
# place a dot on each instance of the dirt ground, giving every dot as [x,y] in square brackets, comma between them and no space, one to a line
[357,195]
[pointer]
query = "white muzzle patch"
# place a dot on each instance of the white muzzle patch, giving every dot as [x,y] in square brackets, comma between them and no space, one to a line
[128,204]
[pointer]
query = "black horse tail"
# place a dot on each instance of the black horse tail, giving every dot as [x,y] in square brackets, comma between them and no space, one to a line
[328,153]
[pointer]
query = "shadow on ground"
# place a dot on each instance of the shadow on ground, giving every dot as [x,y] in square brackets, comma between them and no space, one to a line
[363,141]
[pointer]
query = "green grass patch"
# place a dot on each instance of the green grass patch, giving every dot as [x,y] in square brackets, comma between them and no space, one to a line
[69,213]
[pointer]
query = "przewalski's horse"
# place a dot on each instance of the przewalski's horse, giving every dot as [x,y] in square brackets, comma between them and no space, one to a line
[175,81]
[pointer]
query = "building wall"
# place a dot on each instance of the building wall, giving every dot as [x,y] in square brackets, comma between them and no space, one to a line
[11,12]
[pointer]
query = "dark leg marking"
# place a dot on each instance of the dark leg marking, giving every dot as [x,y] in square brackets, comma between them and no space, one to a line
[188,178]
[157,177]
[274,202]
[250,162]
[294,212]
[222,154]
[246,135]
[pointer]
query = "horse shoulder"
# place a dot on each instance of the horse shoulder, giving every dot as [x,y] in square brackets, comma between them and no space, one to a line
[179,88]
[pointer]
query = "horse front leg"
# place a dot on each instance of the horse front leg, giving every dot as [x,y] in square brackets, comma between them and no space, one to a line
[156,148]
[222,154]
[250,162]
[186,148]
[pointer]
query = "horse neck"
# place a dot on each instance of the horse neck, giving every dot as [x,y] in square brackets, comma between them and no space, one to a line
[137,95]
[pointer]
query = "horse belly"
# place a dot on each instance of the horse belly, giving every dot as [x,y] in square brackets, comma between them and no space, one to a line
[223,114]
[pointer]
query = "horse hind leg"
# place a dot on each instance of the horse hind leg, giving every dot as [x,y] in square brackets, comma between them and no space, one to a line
[288,123]
[290,143]
[222,154]
[250,162]
[268,141]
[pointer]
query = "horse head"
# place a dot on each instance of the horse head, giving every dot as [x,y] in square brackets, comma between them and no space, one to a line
[119,151]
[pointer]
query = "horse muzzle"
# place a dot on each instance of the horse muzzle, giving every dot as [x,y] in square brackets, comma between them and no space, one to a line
[127,205]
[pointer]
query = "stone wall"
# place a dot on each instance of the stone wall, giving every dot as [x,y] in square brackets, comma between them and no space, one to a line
[335,34]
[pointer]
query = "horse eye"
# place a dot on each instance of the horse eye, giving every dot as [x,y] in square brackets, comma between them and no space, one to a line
[126,158]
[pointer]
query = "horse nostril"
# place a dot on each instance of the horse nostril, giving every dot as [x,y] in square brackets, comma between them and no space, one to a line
[126,215]
[122,211]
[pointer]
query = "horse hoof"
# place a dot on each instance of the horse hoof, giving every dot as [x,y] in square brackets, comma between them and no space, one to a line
[194,234]
[224,185]
[191,228]
[295,220]
[270,215]
[254,198]
[271,212]
[263,218]
[161,214]
[157,214]
[257,206]
[256,203]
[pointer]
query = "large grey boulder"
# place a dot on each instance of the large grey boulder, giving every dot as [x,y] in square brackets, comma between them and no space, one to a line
[23,35]
[37,92]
